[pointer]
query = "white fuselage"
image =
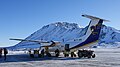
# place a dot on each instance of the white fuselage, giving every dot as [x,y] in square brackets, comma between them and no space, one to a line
[77,41]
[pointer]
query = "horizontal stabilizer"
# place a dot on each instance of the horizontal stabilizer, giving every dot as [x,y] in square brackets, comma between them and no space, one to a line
[93,17]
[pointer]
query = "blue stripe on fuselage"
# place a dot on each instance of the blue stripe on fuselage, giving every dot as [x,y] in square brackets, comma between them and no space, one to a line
[94,36]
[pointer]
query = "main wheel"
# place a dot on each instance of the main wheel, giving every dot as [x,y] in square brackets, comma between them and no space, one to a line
[66,55]
[93,56]
[72,54]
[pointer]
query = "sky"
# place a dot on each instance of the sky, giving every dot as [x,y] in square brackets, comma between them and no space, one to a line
[20,18]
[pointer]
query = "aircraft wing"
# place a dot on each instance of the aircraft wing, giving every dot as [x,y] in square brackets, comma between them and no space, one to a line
[52,43]
[29,40]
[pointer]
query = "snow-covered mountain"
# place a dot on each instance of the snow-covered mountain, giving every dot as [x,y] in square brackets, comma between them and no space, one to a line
[109,36]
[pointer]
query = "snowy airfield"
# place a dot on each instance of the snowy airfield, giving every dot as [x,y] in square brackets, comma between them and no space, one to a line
[105,57]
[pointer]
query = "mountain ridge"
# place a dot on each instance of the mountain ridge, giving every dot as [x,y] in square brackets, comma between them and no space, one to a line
[109,37]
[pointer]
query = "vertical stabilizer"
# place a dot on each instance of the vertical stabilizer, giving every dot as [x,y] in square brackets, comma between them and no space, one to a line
[92,33]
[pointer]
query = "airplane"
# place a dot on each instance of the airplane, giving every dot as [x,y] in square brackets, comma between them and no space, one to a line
[90,38]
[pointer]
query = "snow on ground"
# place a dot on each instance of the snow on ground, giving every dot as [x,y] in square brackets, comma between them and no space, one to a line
[104,58]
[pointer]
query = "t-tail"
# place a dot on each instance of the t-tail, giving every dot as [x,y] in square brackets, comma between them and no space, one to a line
[92,34]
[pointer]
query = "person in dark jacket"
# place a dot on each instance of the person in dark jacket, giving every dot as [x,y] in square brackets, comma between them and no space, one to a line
[5,53]
[42,53]
[57,52]
[0,52]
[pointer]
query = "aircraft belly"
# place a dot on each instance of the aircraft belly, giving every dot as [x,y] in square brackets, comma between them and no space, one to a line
[85,46]
[72,44]
[61,46]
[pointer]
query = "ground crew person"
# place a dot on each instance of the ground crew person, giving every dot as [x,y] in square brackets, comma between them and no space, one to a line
[0,52]
[5,53]
[57,52]
[42,53]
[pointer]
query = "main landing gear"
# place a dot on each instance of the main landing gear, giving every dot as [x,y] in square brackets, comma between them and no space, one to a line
[80,54]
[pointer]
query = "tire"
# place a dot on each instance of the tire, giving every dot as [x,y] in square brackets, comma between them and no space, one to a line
[72,54]
[93,56]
